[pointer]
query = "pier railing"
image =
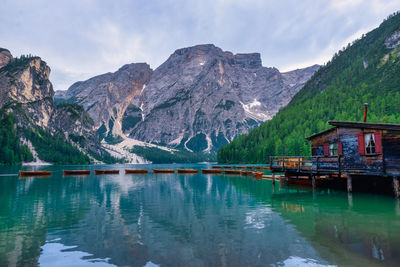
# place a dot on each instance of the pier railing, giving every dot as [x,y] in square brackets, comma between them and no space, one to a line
[307,163]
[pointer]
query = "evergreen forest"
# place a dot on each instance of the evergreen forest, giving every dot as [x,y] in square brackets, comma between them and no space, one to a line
[366,71]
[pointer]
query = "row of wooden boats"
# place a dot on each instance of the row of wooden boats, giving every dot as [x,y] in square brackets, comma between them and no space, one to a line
[144,171]
[242,167]
[257,174]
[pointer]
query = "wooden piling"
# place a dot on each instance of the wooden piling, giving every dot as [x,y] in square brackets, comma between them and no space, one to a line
[313,180]
[349,184]
[396,189]
[273,178]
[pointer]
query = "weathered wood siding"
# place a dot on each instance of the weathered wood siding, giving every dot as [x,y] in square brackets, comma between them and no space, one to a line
[351,160]
[317,150]
[391,151]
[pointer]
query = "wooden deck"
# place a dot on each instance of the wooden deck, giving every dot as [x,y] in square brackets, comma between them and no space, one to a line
[332,165]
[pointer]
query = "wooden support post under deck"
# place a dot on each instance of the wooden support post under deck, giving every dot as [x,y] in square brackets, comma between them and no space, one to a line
[349,184]
[313,180]
[396,189]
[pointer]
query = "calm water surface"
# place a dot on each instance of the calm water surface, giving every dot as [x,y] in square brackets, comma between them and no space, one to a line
[189,220]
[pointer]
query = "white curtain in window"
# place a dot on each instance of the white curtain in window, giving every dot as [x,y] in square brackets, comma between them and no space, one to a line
[367,139]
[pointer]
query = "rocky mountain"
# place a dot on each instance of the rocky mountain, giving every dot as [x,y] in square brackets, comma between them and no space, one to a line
[366,71]
[199,99]
[106,97]
[27,93]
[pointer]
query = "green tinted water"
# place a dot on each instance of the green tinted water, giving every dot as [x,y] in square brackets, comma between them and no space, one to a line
[189,220]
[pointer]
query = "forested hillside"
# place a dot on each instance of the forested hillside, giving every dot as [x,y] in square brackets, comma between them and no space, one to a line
[366,71]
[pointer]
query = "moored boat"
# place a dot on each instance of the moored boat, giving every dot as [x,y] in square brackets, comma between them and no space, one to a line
[247,173]
[258,174]
[211,171]
[232,171]
[264,168]
[76,172]
[34,173]
[98,172]
[136,171]
[187,171]
[163,171]
[216,167]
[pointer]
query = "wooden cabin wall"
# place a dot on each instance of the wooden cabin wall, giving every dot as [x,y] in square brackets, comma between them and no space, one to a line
[317,143]
[317,147]
[351,159]
[391,151]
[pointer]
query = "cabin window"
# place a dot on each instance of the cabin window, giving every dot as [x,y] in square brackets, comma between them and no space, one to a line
[369,141]
[333,149]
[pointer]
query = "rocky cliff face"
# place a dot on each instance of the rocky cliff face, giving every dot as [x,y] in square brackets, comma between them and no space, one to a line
[26,91]
[24,83]
[199,99]
[5,57]
[106,97]
[202,98]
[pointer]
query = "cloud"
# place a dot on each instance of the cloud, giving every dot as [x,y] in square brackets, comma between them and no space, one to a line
[83,38]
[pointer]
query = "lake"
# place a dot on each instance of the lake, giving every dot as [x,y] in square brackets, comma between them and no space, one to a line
[189,220]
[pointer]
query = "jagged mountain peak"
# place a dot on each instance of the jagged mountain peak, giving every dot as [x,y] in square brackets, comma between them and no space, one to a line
[200,98]
[5,57]
[205,52]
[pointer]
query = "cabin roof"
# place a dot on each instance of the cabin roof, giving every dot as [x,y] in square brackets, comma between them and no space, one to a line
[358,125]
[320,133]
[365,125]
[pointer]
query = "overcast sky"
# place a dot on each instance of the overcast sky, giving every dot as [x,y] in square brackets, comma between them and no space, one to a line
[83,38]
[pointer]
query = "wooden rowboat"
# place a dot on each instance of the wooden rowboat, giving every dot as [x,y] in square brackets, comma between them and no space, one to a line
[76,172]
[264,168]
[211,171]
[187,171]
[163,171]
[258,174]
[227,167]
[98,172]
[216,167]
[34,173]
[232,171]
[247,173]
[135,171]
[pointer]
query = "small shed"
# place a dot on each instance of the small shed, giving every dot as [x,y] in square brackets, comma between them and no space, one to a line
[358,148]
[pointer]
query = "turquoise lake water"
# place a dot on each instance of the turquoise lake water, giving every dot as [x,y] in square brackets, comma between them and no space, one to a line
[189,220]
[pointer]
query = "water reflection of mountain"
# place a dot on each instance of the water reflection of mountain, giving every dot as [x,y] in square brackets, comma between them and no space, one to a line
[362,229]
[166,219]
[29,207]
[183,220]
[194,220]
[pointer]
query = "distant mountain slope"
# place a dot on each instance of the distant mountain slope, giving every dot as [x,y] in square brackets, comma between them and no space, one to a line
[199,99]
[368,70]
[31,122]
[106,97]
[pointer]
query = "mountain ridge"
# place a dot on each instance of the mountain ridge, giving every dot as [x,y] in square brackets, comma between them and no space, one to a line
[27,110]
[200,98]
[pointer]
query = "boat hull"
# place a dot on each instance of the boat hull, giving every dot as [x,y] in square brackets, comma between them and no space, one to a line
[187,171]
[99,172]
[34,173]
[211,171]
[163,171]
[135,171]
[76,172]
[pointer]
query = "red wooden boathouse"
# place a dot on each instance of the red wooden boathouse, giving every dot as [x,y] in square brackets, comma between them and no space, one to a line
[347,150]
